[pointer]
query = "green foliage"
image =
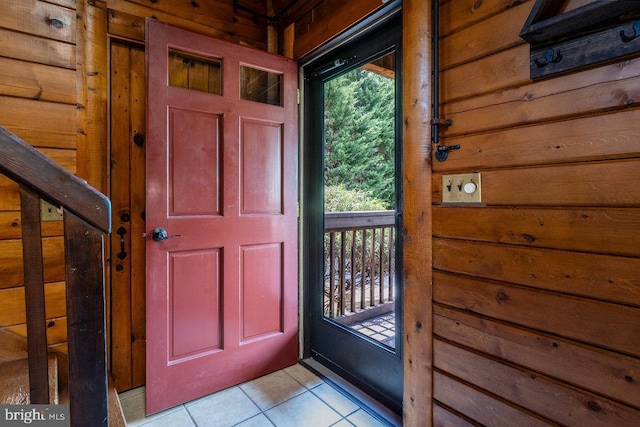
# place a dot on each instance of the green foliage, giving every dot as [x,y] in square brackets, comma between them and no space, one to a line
[359,126]
[339,199]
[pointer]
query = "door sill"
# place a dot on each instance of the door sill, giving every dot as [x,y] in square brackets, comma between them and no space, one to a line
[374,407]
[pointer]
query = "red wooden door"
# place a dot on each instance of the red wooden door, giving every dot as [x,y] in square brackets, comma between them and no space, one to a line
[222,182]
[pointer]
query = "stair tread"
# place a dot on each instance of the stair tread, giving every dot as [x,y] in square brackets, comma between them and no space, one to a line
[14,381]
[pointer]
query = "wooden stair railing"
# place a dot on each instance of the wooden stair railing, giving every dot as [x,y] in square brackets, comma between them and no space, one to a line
[87,216]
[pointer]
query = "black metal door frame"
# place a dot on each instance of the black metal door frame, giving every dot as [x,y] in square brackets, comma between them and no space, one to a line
[373,367]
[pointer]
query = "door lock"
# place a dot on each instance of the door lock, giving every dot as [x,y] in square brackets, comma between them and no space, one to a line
[160,234]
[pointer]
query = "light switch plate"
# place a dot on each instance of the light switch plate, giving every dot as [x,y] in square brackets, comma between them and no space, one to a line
[49,212]
[462,188]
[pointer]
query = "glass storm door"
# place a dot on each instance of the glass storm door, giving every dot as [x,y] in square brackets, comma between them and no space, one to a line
[353,207]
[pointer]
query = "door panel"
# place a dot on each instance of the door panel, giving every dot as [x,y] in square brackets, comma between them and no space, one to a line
[222,182]
[200,132]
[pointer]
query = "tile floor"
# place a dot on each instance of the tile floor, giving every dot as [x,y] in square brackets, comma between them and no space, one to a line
[292,397]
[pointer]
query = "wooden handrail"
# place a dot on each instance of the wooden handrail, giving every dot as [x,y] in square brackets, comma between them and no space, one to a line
[27,166]
[359,254]
[337,221]
[87,216]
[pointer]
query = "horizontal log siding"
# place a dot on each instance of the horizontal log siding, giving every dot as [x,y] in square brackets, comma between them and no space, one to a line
[536,291]
[38,102]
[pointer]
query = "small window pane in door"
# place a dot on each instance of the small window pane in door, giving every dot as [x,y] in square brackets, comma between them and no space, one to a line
[260,86]
[190,71]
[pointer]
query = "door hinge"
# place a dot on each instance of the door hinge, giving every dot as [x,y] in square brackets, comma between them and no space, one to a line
[298,95]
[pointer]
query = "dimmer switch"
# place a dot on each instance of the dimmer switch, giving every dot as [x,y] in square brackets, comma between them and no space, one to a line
[461,188]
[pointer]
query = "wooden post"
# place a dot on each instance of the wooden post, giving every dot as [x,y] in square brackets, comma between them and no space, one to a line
[86,319]
[34,296]
[288,40]
[416,112]
[91,85]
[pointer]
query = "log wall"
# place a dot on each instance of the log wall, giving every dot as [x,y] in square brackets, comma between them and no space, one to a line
[536,293]
[38,102]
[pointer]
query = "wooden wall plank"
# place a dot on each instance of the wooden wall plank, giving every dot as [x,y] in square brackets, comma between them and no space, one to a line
[603,184]
[605,231]
[138,224]
[11,273]
[607,325]
[597,99]
[610,373]
[618,71]
[565,405]
[121,365]
[91,84]
[37,18]
[71,4]
[192,22]
[39,114]
[11,226]
[217,14]
[598,90]
[36,81]
[36,49]
[458,14]
[607,136]
[492,35]
[56,330]
[13,312]
[481,407]
[601,277]
[503,70]
[44,137]
[330,18]
[127,26]
[444,418]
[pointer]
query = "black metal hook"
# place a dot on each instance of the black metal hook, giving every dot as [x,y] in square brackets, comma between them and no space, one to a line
[122,254]
[636,33]
[550,56]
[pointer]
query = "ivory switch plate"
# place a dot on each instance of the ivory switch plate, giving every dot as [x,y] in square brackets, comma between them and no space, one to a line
[49,212]
[461,188]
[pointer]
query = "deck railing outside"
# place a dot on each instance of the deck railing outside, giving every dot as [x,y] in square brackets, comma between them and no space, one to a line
[359,262]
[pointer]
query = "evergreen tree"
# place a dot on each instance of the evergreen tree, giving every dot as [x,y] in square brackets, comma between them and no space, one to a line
[359,134]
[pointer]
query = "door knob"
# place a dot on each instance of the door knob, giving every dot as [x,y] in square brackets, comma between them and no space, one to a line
[160,234]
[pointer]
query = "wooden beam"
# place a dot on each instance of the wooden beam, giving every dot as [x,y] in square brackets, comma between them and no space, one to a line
[416,112]
[91,86]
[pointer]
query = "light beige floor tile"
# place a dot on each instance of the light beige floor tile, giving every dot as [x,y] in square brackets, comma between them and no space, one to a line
[303,410]
[272,389]
[176,418]
[132,403]
[225,408]
[363,419]
[335,399]
[257,421]
[133,407]
[304,376]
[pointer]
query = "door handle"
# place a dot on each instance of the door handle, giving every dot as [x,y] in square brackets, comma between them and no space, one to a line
[122,254]
[160,234]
